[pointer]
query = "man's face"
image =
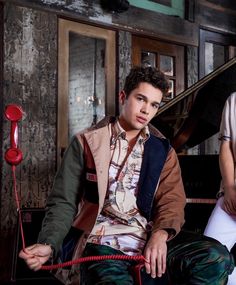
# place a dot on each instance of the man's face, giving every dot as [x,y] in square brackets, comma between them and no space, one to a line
[140,107]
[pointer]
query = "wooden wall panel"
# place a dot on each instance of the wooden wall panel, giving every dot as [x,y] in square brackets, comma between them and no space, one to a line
[192,65]
[124,56]
[30,71]
[217,15]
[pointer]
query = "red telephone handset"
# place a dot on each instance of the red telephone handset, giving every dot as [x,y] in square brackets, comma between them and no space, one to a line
[13,155]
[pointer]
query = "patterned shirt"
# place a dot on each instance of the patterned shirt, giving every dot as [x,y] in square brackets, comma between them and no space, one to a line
[120,224]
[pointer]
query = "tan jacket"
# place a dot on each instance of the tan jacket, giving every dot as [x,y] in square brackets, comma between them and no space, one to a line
[89,156]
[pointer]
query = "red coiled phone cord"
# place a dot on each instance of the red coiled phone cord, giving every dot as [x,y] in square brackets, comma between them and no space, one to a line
[13,167]
[139,258]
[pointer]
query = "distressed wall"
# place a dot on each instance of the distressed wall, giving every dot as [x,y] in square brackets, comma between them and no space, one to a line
[29,79]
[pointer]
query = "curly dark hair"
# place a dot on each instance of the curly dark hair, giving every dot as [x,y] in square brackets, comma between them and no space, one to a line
[146,74]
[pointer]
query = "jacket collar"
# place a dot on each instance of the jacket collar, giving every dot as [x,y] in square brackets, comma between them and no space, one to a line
[111,119]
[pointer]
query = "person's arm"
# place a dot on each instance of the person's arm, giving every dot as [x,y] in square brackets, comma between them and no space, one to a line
[226,162]
[62,204]
[60,209]
[168,215]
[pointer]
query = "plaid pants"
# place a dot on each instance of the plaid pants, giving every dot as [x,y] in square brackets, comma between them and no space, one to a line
[192,259]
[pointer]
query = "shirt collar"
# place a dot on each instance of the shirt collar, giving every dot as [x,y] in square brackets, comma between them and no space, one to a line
[118,132]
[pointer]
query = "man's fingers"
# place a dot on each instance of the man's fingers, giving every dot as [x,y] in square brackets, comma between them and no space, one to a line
[159,266]
[25,254]
[35,266]
[163,264]
[147,264]
[28,248]
[154,265]
[34,263]
[35,255]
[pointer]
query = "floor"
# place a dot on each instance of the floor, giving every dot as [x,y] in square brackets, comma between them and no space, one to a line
[41,281]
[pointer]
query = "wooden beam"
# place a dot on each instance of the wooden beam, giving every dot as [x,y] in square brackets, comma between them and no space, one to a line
[158,25]
[226,6]
[134,20]
[216,16]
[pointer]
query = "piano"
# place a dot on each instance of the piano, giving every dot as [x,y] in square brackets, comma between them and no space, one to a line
[188,120]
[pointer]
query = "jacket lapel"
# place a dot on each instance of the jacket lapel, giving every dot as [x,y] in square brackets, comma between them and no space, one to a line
[99,143]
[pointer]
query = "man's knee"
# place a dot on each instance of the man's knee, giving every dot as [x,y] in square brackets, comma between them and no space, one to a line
[200,259]
[220,258]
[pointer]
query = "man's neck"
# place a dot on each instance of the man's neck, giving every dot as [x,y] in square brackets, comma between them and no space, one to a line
[131,134]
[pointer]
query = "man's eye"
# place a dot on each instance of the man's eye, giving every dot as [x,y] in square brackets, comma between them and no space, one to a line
[155,106]
[140,98]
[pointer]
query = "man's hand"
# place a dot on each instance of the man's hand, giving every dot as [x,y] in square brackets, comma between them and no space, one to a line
[36,255]
[155,253]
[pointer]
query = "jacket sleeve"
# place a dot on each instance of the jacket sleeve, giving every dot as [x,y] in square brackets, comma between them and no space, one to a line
[62,203]
[170,197]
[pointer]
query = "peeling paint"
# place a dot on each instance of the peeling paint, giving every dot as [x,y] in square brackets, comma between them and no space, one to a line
[104,19]
[53,2]
[92,10]
[25,57]
[77,6]
[100,16]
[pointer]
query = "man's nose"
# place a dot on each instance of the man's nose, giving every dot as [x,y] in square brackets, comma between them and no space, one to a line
[144,110]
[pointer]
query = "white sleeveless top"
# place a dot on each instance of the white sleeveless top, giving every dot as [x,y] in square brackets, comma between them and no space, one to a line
[228,122]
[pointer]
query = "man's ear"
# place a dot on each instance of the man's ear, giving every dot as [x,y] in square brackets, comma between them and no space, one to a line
[122,97]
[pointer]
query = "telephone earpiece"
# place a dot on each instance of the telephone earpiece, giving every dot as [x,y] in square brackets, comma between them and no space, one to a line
[13,155]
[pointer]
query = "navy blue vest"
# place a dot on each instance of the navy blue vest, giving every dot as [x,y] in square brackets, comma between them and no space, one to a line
[155,154]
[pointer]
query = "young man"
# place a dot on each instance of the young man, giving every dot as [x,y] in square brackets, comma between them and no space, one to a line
[120,188]
[222,222]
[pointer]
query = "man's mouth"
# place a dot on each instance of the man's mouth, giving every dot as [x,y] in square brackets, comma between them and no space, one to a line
[141,120]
